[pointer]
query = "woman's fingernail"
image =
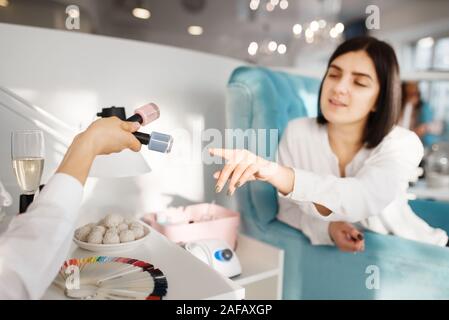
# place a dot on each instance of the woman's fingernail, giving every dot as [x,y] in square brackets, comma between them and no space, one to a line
[229,193]
[136,125]
[217,189]
[238,184]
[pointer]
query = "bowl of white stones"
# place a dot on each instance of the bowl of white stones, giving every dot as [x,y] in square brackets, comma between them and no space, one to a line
[113,233]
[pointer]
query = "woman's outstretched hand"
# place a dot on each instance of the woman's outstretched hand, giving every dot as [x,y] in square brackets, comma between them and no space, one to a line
[243,166]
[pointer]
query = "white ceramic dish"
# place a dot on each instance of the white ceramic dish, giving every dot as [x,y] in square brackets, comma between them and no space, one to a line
[106,248]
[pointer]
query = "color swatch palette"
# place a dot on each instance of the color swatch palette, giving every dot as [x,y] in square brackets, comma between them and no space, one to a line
[114,278]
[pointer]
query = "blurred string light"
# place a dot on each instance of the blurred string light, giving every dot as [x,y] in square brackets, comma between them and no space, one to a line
[318,30]
[268,5]
[339,27]
[254,4]
[297,29]
[325,27]
[141,12]
[283,4]
[266,47]
[252,48]
[272,46]
[4,3]
[195,30]
[282,48]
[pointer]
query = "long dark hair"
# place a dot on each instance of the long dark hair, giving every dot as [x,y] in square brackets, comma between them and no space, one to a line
[388,103]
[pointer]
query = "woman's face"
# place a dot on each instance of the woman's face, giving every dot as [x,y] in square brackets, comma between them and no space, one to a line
[350,89]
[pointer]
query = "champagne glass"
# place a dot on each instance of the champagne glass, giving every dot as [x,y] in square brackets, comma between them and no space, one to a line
[27,153]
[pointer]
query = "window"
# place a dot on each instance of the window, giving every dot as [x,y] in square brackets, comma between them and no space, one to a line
[441,59]
[433,55]
[423,54]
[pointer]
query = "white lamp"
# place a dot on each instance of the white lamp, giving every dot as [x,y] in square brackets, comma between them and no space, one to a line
[117,165]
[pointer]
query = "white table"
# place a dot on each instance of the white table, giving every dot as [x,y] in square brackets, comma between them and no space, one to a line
[188,277]
[262,269]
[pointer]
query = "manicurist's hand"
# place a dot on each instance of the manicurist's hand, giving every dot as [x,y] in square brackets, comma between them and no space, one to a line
[110,135]
[104,136]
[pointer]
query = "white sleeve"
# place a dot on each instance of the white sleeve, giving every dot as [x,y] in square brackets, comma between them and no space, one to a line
[36,243]
[384,176]
[314,228]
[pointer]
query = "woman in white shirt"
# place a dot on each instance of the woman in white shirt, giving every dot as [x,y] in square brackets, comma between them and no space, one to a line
[351,163]
[36,243]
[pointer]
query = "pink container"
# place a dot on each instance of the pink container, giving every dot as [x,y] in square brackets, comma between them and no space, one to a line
[196,222]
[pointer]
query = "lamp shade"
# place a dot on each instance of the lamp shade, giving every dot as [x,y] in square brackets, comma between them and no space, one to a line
[116,165]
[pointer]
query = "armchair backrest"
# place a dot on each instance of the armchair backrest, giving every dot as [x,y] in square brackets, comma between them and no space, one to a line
[259,98]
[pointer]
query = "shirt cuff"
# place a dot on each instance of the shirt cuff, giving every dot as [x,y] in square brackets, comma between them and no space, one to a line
[304,186]
[319,234]
[62,191]
[303,182]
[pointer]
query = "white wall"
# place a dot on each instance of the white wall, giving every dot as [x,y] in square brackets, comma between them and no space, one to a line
[399,25]
[73,75]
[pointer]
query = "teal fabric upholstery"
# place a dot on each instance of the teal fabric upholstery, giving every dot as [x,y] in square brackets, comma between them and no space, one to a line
[259,98]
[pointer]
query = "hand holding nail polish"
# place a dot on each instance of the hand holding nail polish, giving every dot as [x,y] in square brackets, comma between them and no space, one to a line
[104,136]
[143,115]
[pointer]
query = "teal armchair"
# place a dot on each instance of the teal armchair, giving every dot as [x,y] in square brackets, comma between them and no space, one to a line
[389,268]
